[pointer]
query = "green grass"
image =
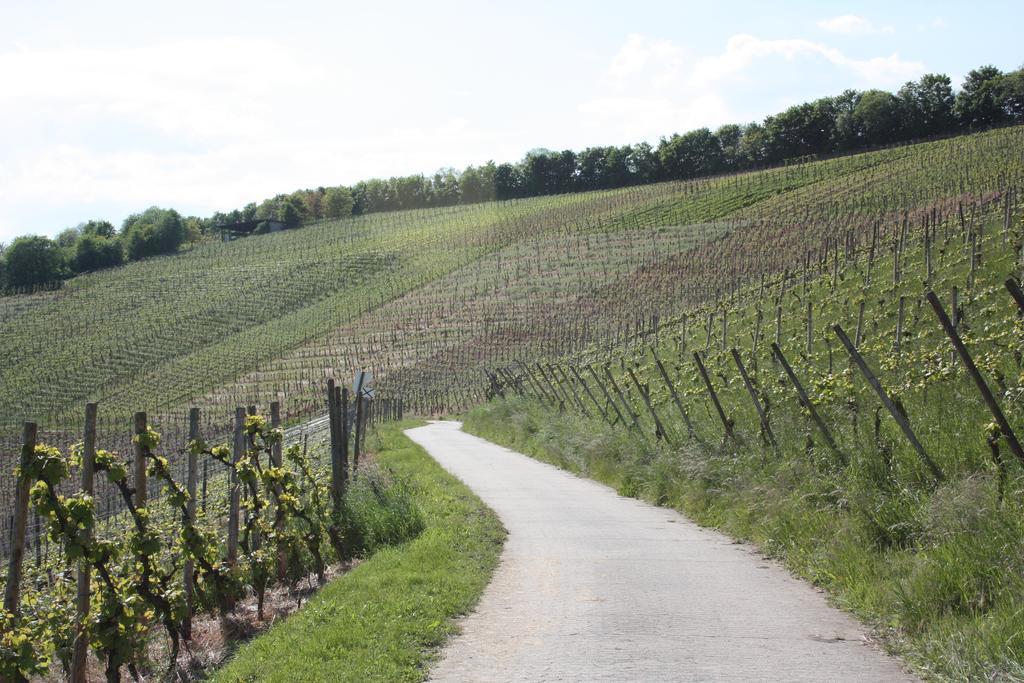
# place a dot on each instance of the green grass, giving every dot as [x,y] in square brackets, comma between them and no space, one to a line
[950,602]
[384,620]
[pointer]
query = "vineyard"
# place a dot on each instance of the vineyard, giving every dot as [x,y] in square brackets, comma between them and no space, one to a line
[254,320]
[870,396]
[127,583]
[851,326]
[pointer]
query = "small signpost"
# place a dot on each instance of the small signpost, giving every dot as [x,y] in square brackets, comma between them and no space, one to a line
[362,385]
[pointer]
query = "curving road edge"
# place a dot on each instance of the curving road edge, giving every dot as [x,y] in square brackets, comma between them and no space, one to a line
[593,586]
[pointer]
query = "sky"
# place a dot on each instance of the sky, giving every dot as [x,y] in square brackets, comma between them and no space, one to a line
[107,108]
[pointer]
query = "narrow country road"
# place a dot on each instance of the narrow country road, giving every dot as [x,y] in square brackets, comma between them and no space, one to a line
[593,586]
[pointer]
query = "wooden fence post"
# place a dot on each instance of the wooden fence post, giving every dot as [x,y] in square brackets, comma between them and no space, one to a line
[253,455]
[80,651]
[559,393]
[360,415]
[541,393]
[235,491]
[618,392]
[889,404]
[1014,289]
[675,395]
[659,429]
[586,388]
[766,428]
[607,396]
[572,388]
[140,425]
[726,422]
[275,423]
[191,484]
[345,430]
[332,420]
[806,403]
[12,591]
[979,381]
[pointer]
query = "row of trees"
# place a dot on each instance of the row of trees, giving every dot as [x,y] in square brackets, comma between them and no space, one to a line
[33,260]
[852,121]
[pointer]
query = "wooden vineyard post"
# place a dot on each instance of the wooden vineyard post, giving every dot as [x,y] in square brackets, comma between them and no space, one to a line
[757,333]
[859,335]
[659,429]
[625,404]
[538,390]
[607,396]
[675,395]
[276,460]
[890,405]
[359,401]
[726,422]
[766,428]
[810,328]
[234,488]
[979,381]
[778,324]
[806,403]
[954,312]
[572,388]
[140,460]
[253,457]
[1014,289]
[927,255]
[900,315]
[12,591]
[560,396]
[345,430]
[275,423]
[542,394]
[560,386]
[80,652]
[191,484]
[586,388]
[335,434]
[510,381]
[367,404]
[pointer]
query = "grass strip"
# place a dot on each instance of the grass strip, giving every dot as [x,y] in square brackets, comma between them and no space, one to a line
[385,620]
[951,603]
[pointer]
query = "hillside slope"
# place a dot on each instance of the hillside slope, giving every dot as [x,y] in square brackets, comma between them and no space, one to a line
[428,298]
[902,499]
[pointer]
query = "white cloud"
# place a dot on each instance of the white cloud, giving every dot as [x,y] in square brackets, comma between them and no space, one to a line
[212,124]
[203,88]
[229,175]
[851,24]
[655,88]
[742,51]
[647,117]
[658,60]
[646,95]
[198,125]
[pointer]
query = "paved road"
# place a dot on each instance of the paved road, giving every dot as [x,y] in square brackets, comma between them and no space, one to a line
[593,586]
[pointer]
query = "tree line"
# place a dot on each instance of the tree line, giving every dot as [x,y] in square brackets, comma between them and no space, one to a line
[852,121]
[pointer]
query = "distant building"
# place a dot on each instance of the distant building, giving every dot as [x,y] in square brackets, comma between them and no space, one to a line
[232,231]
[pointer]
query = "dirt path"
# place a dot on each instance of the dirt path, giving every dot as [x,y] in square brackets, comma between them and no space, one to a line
[594,586]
